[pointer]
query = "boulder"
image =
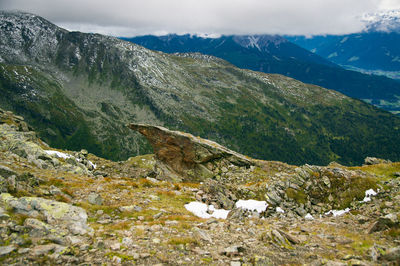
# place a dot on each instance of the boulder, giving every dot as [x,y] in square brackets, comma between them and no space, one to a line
[373,160]
[182,156]
[55,213]
[392,254]
[95,199]
[6,172]
[5,250]
[382,223]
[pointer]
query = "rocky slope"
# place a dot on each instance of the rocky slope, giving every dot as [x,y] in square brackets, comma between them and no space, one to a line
[63,207]
[275,54]
[80,90]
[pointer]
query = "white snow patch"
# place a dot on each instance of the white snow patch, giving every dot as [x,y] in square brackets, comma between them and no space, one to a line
[279,210]
[200,209]
[92,164]
[252,205]
[337,212]
[368,194]
[65,156]
[253,42]
[308,217]
[58,154]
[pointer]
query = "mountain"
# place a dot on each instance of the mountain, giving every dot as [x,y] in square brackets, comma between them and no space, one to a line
[374,50]
[80,90]
[274,54]
[371,52]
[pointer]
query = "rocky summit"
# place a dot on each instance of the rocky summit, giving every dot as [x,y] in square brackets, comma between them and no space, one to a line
[74,208]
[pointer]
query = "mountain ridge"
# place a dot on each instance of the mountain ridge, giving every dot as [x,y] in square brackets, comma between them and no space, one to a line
[277,55]
[82,89]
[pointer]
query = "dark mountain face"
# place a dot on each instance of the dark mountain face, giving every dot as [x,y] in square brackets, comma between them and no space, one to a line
[80,90]
[274,54]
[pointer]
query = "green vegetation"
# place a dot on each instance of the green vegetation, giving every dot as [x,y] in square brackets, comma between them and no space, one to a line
[385,171]
[298,195]
[182,241]
[345,190]
[86,103]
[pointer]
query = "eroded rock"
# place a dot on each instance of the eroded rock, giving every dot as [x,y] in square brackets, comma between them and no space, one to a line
[183,156]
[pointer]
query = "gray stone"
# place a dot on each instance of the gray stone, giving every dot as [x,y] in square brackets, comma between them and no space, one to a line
[156,240]
[300,211]
[23,250]
[391,218]
[335,263]
[201,235]
[95,199]
[374,253]
[5,250]
[115,246]
[3,214]
[326,181]
[273,198]
[154,197]
[289,237]
[84,152]
[46,249]
[373,160]
[158,215]
[278,238]
[130,208]
[388,221]
[237,214]
[6,172]
[36,225]
[60,213]
[55,190]
[127,242]
[392,254]
[100,173]
[75,240]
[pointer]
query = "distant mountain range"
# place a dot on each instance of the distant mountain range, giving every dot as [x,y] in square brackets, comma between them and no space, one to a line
[368,52]
[375,50]
[275,54]
[80,90]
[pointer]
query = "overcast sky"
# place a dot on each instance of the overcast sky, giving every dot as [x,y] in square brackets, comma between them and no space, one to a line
[139,17]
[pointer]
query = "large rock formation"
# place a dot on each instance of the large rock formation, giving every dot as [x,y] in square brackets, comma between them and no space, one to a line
[182,156]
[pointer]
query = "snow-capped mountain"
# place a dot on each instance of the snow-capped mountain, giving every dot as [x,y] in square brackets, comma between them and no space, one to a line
[260,42]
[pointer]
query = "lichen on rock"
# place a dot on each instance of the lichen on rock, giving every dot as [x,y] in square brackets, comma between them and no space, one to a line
[54,212]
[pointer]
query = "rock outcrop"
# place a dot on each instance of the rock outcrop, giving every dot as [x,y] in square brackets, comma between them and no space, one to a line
[17,139]
[61,214]
[184,156]
[373,160]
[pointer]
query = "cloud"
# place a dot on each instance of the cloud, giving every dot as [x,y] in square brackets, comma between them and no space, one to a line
[389,4]
[138,17]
